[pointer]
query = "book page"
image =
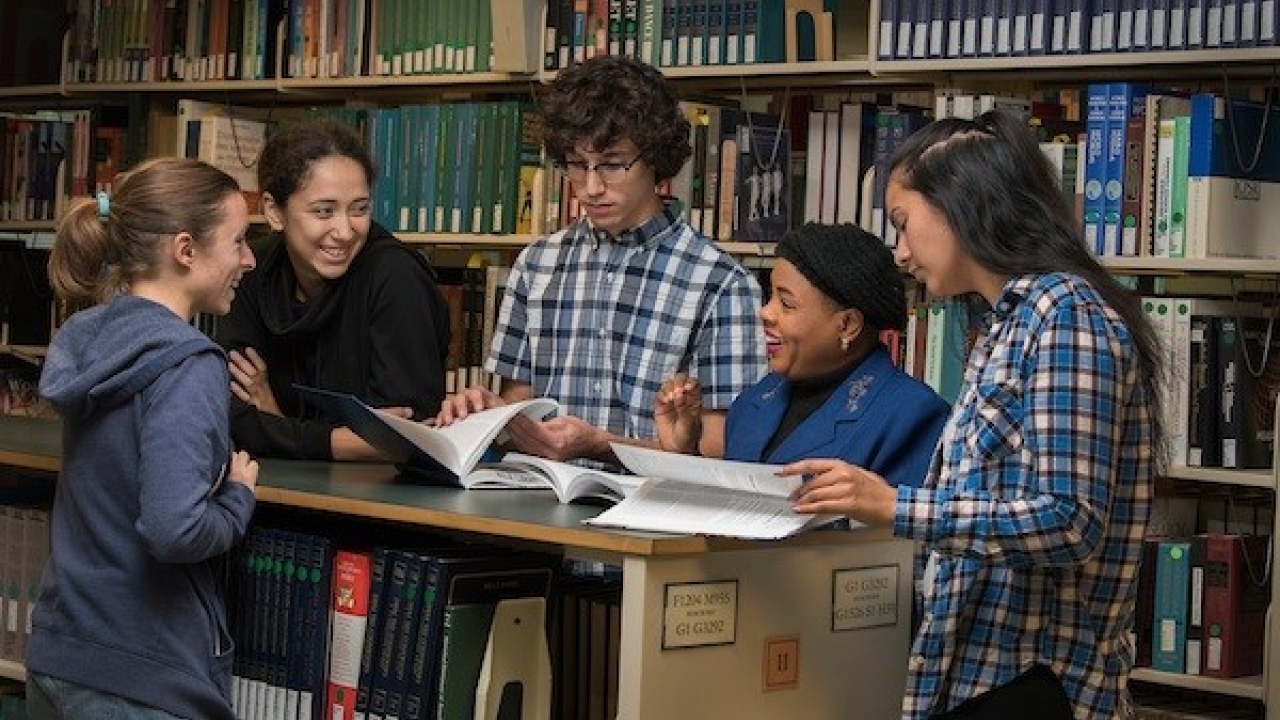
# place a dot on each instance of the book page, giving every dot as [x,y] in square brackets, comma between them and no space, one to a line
[679,507]
[459,446]
[570,482]
[749,477]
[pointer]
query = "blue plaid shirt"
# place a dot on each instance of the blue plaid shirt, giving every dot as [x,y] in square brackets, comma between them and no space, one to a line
[599,323]
[1033,513]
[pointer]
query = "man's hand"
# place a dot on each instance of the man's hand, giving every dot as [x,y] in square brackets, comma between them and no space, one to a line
[560,438]
[461,404]
[678,414]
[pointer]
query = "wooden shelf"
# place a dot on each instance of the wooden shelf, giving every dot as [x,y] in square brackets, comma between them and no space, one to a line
[1179,64]
[1186,266]
[33,354]
[13,670]
[1261,478]
[1246,687]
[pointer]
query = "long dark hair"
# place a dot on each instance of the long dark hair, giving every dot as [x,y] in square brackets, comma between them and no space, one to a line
[1005,204]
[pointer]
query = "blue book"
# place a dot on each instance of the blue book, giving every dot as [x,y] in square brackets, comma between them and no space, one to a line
[1233,178]
[315,575]
[1158,39]
[429,138]
[1078,26]
[972,21]
[1102,28]
[1097,107]
[1177,39]
[1040,27]
[1213,11]
[1171,606]
[920,32]
[1124,25]
[771,44]
[1127,100]
[1249,16]
[1056,32]
[888,29]
[1231,23]
[382,142]
[373,629]
[938,23]
[1195,23]
[988,12]
[955,28]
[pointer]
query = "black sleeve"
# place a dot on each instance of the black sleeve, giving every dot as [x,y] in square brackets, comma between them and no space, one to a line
[408,335]
[263,434]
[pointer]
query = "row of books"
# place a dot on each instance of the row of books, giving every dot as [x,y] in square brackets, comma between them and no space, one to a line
[936,29]
[682,33]
[49,156]
[18,393]
[737,184]
[32,150]
[1220,390]
[1202,604]
[24,547]
[139,41]
[1174,175]
[325,630]
[1157,702]
[474,297]
[454,167]
[935,345]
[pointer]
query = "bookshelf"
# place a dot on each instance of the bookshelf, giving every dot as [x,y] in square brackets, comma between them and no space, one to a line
[784,589]
[860,71]
[1258,687]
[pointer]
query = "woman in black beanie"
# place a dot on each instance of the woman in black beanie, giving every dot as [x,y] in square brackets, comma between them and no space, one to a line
[832,390]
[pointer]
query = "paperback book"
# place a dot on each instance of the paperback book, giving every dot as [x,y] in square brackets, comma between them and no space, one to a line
[445,454]
[689,494]
[571,483]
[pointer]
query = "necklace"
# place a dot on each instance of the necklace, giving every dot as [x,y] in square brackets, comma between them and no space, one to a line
[757,157]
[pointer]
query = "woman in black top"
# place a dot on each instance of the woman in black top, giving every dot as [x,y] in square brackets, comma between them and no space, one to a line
[335,302]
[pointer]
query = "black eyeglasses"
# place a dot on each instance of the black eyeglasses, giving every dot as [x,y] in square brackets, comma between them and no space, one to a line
[610,171]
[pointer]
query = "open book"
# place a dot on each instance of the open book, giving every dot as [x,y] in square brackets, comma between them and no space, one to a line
[447,454]
[570,482]
[706,496]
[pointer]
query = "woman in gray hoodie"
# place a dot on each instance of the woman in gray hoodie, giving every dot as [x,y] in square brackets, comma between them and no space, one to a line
[131,622]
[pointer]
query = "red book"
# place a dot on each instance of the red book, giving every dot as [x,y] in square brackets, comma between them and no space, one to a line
[1235,604]
[352,576]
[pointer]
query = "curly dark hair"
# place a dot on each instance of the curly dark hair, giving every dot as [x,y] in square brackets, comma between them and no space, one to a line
[610,98]
[286,160]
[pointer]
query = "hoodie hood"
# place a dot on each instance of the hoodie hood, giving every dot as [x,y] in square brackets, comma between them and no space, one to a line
[105,355]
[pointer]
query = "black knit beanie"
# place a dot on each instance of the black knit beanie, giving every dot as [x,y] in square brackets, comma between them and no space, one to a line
[852,267]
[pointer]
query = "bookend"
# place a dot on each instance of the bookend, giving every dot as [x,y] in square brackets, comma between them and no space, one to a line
[515,679]
[823,30]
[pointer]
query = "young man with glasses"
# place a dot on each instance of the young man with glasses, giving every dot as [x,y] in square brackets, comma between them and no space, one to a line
[599,314]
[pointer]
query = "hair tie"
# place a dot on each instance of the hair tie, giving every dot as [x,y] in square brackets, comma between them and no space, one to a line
[104,204]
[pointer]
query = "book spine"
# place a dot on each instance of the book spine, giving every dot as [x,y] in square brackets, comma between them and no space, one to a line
[1235,604]
[371,645]
[1173,578]
[352,582]
[1097,104]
